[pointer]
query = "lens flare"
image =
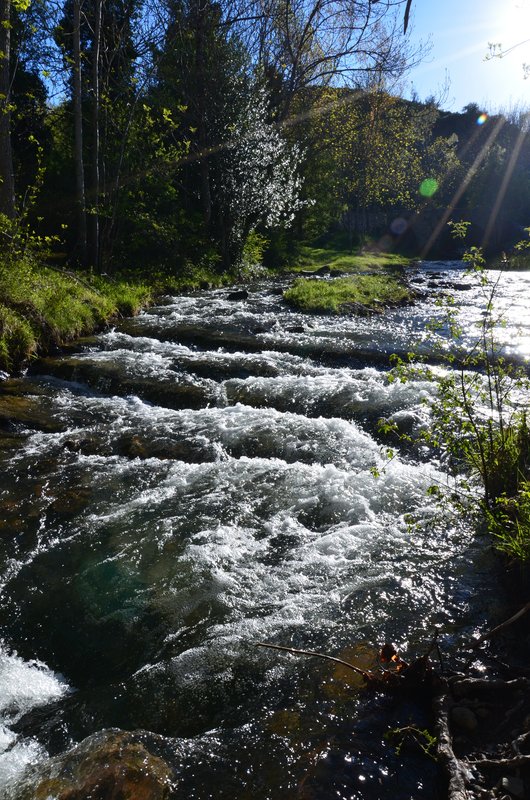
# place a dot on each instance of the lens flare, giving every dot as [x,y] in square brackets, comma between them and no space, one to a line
[428,187]
[482,119]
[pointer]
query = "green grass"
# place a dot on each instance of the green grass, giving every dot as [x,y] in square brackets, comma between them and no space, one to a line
[42,307]
[341,295]
[341,260]
[17,338]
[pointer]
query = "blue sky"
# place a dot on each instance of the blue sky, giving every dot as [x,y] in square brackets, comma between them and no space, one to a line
[460,31]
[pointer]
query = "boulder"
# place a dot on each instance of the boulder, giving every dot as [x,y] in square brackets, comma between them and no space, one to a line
[109,764]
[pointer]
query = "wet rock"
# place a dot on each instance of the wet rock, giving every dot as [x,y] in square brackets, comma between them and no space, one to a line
[110,764]
[464,718]
[71,501]
[26,411]
[239,294]
[359,309]
[325,270]
[514,786]
[119,379]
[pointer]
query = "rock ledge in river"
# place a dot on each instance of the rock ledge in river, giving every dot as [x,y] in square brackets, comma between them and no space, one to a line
[109,764]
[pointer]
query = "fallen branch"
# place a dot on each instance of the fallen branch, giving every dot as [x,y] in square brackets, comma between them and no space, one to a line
[296,652]
[455,770]
[521,740]
[501,627]
[516,761]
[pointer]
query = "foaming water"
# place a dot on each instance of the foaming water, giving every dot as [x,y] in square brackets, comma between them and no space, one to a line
[208,476]
[24,687]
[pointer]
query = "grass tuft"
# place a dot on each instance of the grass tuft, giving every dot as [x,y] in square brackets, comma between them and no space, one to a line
[342,295]
[43,307]
[17,339]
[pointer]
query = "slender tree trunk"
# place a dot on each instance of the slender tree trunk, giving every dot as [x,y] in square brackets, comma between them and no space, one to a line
[78,137]
[95,187]
[201,7]
[7,185]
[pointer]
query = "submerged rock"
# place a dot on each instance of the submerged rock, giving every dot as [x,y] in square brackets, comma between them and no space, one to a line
[109,764]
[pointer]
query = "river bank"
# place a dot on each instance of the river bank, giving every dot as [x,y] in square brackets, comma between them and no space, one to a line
[42,308]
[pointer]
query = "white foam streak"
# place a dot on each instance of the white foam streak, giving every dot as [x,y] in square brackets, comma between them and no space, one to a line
[23,686]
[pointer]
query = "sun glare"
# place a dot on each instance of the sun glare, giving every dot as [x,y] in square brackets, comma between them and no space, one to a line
[515,20]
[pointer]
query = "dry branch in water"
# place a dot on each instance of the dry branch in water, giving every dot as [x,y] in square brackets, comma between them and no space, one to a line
[292,650]
[453,767]
[448,693]
[501,627]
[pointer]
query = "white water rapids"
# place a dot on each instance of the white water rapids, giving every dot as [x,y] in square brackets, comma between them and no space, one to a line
[206,476]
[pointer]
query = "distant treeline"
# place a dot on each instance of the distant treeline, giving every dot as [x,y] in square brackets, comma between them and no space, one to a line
[179,133]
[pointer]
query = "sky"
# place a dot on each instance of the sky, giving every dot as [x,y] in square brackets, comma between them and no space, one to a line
[459,32]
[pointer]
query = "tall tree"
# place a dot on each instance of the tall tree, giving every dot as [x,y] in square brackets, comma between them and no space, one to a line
[95,165]
[77,98]
[95,38]
[7,185]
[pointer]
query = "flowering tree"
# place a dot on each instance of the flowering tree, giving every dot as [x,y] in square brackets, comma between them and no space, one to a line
[260,177]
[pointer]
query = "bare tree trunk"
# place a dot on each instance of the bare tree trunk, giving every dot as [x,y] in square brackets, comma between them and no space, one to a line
[7,185]
[202,132]
[78,137]
[95,188]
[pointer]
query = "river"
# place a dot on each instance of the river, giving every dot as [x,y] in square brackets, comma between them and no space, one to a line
[209,475]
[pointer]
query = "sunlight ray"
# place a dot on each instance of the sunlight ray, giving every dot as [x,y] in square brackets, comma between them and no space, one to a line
[463,186]
[504,186]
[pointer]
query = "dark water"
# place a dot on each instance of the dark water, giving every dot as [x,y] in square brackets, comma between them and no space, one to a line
[200,479]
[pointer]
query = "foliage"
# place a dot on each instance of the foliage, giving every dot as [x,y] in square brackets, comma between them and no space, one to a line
[477,420]
[369,151]
[259,181]
[252,255]
[412,737]
[342,295]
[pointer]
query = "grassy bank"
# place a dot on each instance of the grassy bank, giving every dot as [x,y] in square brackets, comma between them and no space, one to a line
[342,295]
[41,307]
[340,259]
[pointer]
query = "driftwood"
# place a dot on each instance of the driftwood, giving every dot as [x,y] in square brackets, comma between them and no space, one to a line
[501,627]
[415,674]
[462,686]
[463,773]
[455,771]
[510,763]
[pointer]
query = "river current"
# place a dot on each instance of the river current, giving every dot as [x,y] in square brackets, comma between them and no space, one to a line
[209,475]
